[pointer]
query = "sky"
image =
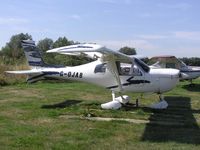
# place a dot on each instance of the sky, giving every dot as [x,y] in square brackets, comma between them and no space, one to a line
[153,27]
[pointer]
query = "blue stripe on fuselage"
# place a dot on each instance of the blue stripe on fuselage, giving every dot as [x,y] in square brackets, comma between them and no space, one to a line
[190,71]
[35,63]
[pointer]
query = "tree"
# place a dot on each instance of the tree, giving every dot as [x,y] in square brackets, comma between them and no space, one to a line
[55,58]
[62,41]
[66,59]
[45,44]
[13,50]
[128,50]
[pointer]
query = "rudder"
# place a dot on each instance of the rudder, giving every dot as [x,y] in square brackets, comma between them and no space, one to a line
[32,54]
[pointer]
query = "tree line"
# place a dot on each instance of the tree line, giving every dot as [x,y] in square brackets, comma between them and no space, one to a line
[12,53]
[193,61]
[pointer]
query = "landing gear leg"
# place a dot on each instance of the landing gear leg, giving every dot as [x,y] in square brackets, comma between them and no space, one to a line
[137,102]
[161,97]
[191,84]
[113,95]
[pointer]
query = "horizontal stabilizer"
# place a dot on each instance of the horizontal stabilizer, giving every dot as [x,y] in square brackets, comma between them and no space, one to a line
[36,75]
[26,72]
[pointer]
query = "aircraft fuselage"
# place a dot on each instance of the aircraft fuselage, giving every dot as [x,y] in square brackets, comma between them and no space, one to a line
[155,81]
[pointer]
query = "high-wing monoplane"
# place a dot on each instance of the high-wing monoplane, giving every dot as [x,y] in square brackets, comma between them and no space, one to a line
[112,70]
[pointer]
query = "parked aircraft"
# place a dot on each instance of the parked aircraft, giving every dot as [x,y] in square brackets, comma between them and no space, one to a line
[112,70]
[191,72]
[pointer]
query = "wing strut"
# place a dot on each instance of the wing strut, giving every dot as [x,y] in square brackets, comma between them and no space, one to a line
[111,65]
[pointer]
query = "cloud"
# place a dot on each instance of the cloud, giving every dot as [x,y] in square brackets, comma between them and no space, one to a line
[12,20]
[153,37]
[116,1]
[30,29]
[180,44]
[190,35]
[75,17]
[128,1]
[117,44]
[145,15]
[180,6]
[108,1]
[178,35]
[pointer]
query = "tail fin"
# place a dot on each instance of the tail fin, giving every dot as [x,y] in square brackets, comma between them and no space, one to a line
[36,63]
[34,57]
[32,54]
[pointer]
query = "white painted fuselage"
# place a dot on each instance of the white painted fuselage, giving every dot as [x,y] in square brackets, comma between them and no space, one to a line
[155,81]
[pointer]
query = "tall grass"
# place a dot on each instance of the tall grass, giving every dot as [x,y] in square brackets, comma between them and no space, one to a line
[6,79]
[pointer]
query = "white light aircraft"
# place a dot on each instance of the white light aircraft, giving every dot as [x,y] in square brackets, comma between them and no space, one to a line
[112,70]
[190,72]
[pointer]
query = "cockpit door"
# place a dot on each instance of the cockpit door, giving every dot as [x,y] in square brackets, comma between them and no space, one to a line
[137,77]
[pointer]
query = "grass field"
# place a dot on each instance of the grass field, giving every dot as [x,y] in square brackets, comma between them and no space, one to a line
[51,116]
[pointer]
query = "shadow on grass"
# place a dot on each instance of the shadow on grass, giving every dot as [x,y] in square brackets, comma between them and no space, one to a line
[193,88]
[181,126]
[66,103]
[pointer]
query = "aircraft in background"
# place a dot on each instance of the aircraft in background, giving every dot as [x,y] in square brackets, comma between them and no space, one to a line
[191,72]
[112,70]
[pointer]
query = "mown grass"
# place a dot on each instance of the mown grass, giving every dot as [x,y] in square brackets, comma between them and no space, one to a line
[35,116]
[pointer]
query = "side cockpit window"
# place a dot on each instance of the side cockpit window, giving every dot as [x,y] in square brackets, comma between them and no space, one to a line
[125,69]
[101,68]
[171,65]
[137,72]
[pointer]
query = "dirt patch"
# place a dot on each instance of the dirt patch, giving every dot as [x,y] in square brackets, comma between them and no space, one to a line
[134,121]
[13,113]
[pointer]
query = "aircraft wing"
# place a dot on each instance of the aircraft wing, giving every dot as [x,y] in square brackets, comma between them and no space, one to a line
[138,56]
[86,50]
[76,48]
[109,54]
[94,49]
[92,55]
[34,75]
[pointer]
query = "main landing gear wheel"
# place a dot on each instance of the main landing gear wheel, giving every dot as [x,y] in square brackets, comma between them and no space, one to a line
[116,102]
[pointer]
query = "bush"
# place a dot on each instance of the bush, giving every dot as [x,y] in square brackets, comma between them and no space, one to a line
[3,81]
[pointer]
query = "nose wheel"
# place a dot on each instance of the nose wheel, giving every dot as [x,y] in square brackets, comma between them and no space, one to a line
[162,104]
